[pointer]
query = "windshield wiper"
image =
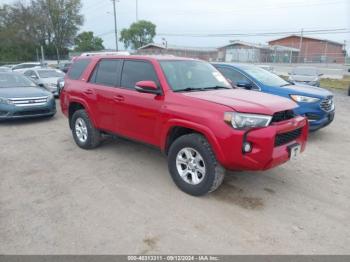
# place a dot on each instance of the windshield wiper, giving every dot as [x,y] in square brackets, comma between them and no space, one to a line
[217,87]
[189,89]
[287,84]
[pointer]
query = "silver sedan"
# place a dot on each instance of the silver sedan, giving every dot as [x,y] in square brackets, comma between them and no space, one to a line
[45,77]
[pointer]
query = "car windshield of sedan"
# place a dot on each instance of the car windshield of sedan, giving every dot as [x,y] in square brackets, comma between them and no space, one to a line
[187,75]
[305,71]
[50,73]
[265,77]
[14,80]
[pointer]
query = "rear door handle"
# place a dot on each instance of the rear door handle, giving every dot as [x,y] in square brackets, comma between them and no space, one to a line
[88,91]
[118,98]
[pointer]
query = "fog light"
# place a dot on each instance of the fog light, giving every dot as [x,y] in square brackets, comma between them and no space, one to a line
[247,147]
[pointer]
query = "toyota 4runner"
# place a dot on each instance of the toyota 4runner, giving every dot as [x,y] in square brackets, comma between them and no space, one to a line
[186,108]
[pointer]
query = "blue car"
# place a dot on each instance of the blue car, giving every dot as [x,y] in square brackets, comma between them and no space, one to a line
[21,98]
[315,103]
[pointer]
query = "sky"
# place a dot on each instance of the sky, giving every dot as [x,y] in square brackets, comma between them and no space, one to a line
[200,17]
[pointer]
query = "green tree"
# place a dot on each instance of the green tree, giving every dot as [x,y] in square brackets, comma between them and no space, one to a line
[138,34]
[86,41]
[27,25]
[64,19]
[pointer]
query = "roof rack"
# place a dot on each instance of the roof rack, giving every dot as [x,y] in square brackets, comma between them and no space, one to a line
[105,53]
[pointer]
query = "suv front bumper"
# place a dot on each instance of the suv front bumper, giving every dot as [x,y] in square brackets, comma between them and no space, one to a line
[266,152]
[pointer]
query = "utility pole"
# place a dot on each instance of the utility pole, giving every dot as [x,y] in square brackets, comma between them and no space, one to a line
[115,25]
[42,55]
[37,55]
[137,10]
[300,44]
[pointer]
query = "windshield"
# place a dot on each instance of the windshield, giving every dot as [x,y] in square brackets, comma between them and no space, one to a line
[192,75]
[265,77]
[49,73]
[14,80]
[305,71]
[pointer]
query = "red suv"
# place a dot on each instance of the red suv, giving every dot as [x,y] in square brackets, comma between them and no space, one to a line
[186,108]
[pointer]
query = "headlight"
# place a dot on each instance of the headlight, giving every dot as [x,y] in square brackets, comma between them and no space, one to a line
[246,121]
[304,99]
[5,101]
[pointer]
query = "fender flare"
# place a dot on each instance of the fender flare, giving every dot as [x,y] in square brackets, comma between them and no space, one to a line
[208,134]
[86,107]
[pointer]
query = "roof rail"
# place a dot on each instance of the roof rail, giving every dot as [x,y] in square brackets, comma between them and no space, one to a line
[105,53]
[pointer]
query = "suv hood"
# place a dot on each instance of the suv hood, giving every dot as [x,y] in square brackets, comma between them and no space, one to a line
[304,90]
[22,92]
[246,101]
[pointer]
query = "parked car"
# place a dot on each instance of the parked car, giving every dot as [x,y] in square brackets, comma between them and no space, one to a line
[64,66]
[4,69]
[20,68]
[305,75]
[315,103]
[45,77]
[9,66]
[187,109]
[21,98]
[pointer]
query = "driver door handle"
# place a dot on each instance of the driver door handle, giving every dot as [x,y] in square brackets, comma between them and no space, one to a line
[88,91]
[118,98]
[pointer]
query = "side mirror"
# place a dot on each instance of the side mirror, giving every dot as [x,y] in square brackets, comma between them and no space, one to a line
[320,74]
[289,73]
[244,84]
[147,87]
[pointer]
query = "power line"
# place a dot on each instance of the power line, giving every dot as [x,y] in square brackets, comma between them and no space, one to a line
[320,31]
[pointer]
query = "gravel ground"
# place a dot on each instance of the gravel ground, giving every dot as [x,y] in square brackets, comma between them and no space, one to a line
[119,199]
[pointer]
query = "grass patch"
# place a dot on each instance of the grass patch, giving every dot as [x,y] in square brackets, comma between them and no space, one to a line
[343,83]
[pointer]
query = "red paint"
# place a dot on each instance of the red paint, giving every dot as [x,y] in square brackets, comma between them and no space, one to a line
[149,118]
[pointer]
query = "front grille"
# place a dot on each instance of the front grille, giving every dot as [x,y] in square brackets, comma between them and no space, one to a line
[29,101]
[31,112]
[283,115]
[285,138]
[327,104]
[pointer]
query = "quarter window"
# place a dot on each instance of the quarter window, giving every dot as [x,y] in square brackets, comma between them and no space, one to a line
[135,71]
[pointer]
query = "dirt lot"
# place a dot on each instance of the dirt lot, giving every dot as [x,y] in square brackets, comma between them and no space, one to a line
[58,199]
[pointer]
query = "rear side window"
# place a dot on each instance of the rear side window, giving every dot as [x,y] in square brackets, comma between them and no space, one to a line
[135,71]
[78,68]
[107,72]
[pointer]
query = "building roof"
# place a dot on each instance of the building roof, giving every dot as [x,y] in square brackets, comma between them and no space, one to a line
[307,37]
[176,47]
[239,42]
[260,46]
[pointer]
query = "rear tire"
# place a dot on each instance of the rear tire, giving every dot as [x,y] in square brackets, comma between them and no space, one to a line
[84,133]
[193,165]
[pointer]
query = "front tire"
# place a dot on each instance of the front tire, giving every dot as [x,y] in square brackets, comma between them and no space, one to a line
[193,165]
[84,133]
